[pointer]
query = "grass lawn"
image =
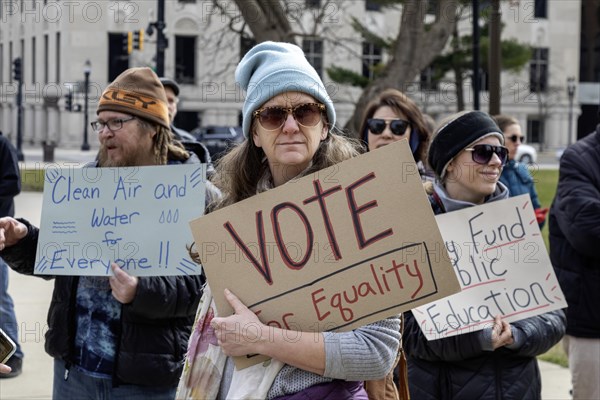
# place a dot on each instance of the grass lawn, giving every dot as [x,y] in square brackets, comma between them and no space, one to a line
[32,180]
[545,184]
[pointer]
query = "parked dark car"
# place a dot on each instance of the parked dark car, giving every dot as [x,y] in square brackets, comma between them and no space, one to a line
[218,139]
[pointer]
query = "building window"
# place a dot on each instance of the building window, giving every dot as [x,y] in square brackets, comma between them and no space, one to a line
[185,59]
[57,47]
[118,59]
[313,50]
[372,5]
[538,70]
[33,60]
[534,130]
[432,7]
[10,60]
[371,57]
[2,62]
[427,80]
[46,58]
[312,3]
[541,9]
[246,43]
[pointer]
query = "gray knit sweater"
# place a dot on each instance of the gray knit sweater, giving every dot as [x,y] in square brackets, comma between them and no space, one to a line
[366,353]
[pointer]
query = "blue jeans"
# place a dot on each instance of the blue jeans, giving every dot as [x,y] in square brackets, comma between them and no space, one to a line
[8,320]
[80,386]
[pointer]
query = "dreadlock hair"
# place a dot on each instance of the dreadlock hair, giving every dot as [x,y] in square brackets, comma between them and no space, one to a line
[164,146]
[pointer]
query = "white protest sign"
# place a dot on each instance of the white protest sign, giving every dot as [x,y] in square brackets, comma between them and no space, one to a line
[501,262]
[135,217]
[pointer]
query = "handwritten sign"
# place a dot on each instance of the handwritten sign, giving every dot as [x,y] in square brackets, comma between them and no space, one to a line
[347,246]
[502,265]
[134,217]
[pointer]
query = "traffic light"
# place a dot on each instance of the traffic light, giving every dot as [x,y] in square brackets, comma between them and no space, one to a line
[69,101]
[17,73]
[133,40]
[138,39]
[129,42]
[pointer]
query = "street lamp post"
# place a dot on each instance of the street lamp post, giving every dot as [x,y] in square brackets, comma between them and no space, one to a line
[87,70]
[571,94]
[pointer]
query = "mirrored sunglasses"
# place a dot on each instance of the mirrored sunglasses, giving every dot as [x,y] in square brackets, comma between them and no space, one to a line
[483,153]
[514,138]
[397,126]
[272,118]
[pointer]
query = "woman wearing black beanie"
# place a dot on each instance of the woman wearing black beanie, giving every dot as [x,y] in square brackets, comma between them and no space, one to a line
[498,362]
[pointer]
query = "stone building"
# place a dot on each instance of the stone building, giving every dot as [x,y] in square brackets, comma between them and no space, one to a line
[56,39]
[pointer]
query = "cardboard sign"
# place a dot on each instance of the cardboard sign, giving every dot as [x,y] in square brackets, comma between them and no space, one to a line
[134,217]
[501,262]
[347,246]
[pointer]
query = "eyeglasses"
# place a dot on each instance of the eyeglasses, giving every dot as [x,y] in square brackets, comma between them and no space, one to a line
[483,153]
[112,124]
[397,126]
[272,118]
[514,138]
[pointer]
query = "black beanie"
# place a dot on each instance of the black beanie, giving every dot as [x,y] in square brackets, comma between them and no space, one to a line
[457,135]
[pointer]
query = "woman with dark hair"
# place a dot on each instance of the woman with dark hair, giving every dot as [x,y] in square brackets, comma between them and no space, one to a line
[393,116]
[467,154]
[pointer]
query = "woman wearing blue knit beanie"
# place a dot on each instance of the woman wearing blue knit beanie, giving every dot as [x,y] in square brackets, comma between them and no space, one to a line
[499,362]
[288,121]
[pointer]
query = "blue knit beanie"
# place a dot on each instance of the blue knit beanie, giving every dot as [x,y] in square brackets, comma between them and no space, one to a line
[272,68]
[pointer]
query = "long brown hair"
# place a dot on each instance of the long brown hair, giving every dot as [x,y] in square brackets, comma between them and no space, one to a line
[400,103]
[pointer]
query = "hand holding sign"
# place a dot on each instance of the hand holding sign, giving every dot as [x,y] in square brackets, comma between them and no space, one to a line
[240,333]
[501,333]
[11,231]
[123,285]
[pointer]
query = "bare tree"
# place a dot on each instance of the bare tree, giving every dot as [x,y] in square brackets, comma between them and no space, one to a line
[414,49]
[415,46]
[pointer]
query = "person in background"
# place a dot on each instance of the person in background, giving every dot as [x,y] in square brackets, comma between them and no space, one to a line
[515,175]
[498,362]
[574,242]
[187,139]
[288,122]
[393,116]
[117,337]
[389,117]
[10,186]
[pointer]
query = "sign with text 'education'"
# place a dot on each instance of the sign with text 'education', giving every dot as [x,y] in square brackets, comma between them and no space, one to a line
[135,217]
[501,262]
[346,246]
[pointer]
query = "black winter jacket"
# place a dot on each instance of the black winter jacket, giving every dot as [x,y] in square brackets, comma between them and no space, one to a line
[155,326]
[575,235]
[10,181]
[458,368]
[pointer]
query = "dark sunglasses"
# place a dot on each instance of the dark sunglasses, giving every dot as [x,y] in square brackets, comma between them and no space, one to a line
[272,118]
[514,138]
[397,126]
[483,153]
